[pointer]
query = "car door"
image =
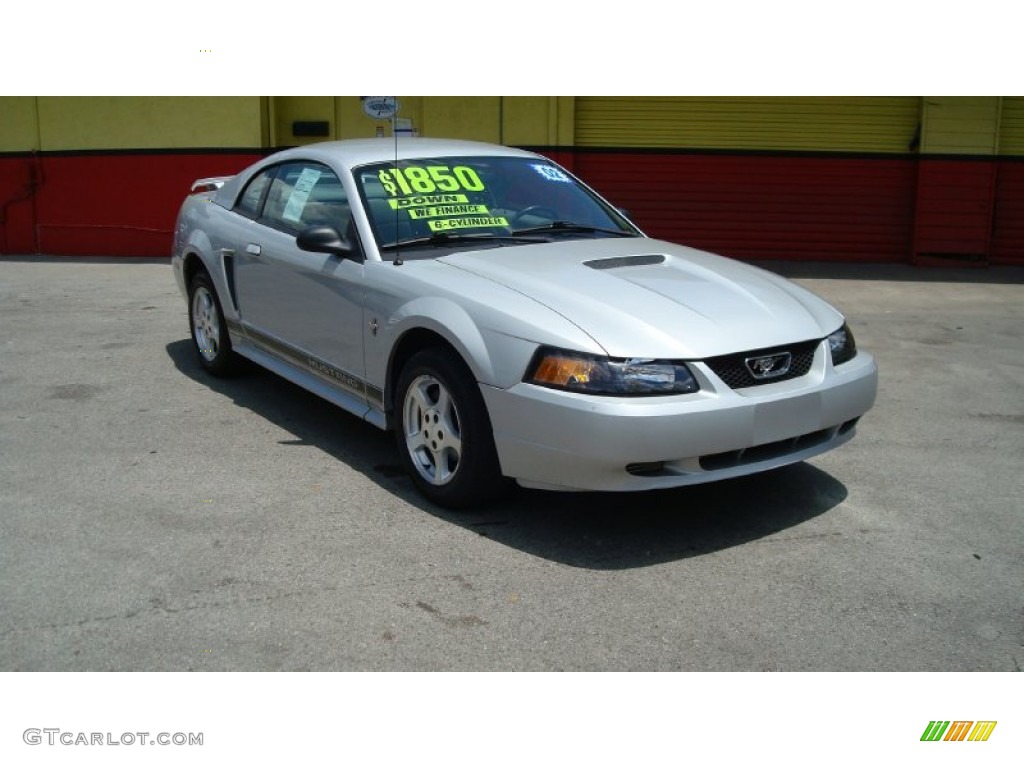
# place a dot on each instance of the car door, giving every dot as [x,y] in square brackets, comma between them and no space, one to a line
[305,308]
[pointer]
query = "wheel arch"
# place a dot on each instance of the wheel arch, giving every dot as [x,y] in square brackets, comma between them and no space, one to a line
[197,257]
[192,264]
[413,340]
[446,419]
[483,343]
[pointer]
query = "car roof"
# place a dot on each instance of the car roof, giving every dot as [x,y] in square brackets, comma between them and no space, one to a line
[354,152]
[351,153]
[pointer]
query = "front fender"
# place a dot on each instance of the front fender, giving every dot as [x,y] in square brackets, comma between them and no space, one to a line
[494,329]
[204,231]
[451,322]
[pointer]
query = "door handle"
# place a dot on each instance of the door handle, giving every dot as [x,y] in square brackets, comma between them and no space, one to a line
[253,249]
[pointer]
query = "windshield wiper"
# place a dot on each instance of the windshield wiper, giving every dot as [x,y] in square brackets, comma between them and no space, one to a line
[570,226]
[451,238]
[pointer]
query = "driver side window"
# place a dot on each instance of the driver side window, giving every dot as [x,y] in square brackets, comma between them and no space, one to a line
[303,194]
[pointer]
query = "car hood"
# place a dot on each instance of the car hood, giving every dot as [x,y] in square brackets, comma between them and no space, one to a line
[650,298]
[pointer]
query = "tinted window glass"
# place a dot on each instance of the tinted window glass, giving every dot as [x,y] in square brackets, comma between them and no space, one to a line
[303,194]
[248,204]
[477,197]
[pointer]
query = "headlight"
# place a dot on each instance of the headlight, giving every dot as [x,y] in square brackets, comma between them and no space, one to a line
[841,345]
[593,375]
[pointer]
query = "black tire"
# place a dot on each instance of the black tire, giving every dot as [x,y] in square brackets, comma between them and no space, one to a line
[443,431]
[210,337]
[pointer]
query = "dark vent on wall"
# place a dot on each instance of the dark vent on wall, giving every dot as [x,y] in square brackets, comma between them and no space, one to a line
[311,128]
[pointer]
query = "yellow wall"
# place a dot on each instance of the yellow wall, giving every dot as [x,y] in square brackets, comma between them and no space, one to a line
[18,124]
[957,125]
[285,110]
[539,120]
[354,124]
[149,122]
[513,120]
[477,118]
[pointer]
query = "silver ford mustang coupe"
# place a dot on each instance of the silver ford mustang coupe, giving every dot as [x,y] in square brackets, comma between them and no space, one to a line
[505,321]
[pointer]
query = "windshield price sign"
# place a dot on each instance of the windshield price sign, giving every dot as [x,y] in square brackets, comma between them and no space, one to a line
[431,178]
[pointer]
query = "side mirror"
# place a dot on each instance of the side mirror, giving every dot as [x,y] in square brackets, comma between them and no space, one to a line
[323,238]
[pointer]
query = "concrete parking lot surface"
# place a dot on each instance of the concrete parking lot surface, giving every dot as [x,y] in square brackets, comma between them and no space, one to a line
[153,518]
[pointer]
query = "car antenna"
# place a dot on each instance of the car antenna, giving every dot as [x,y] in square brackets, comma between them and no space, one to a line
[398,246]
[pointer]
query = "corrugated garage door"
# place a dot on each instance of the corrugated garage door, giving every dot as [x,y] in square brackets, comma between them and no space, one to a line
[758,178]
[1011,126]
[835,124]
[1008,225]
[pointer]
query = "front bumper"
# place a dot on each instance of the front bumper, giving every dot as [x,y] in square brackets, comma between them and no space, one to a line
[567,441]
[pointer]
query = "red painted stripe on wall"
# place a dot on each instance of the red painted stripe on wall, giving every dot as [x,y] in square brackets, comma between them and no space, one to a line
[844,208]
[118,204]
[1008,223]
[18,180]
[765,207]
[953,216]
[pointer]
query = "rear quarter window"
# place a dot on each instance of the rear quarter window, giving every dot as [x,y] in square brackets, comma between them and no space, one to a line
[252,196]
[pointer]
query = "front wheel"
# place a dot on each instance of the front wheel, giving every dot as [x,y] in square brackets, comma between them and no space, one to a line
[443,431]
[209,331]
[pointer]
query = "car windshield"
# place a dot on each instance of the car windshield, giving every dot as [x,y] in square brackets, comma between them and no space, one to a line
[449,201]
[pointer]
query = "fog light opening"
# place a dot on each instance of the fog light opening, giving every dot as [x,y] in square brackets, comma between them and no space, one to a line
[848,425]
[646,468]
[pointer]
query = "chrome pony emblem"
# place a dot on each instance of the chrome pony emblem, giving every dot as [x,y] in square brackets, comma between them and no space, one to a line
[769,366]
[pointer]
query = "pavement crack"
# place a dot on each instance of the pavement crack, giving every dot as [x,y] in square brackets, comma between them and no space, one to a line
[158,607]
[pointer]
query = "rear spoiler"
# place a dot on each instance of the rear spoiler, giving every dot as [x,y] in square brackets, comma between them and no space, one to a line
[210,184]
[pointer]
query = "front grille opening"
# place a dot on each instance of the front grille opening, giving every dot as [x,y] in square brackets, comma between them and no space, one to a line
[732,369]
[765,452]
[846,426]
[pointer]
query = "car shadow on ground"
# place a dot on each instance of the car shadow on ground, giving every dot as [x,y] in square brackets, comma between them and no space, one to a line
[603,531]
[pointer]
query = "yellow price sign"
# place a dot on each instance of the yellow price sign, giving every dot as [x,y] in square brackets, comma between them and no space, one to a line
[422,200]
[426,179]
[443,225]
[437,211]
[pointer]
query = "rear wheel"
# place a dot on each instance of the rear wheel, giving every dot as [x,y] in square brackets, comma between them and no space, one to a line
[443,431]
[209,331]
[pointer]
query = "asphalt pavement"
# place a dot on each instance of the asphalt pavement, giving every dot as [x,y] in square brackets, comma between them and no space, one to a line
[154,518]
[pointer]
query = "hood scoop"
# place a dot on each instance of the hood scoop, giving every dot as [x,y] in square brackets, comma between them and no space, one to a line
[625,261]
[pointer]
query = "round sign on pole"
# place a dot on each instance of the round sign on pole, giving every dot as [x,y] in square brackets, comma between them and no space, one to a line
[380,107]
